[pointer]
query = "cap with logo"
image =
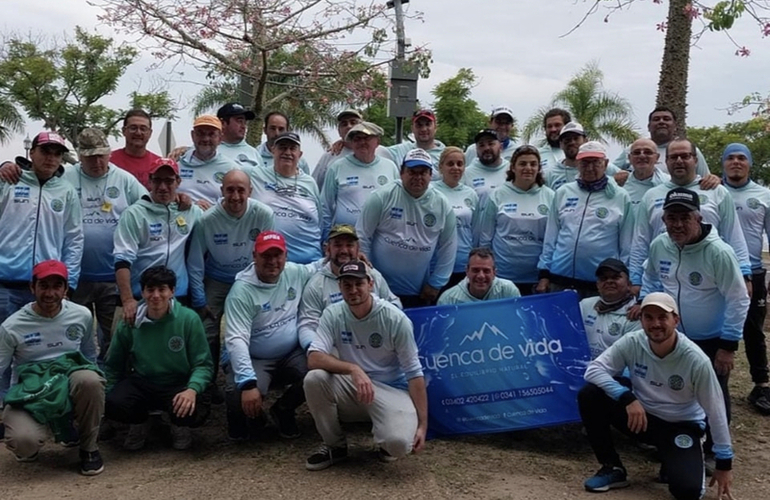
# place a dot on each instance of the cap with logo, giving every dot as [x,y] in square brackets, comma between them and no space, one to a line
[365,128]
[418,158]
[353,269]
[683,199]
[48,268]
[423,113]
[235,109]
[288,136]
[662,300]
[44,138]
[487,132]
[349,112]
[93,142]
[591,149]
[572,128]
[502,110]
[207,121]
[343,230]
[164,162]
[613,265]
[267,240]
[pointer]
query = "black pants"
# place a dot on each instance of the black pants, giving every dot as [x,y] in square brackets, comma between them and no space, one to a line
[526,288]
[413,301]
[131,400]
[678,443]
[753,334]
[710,347]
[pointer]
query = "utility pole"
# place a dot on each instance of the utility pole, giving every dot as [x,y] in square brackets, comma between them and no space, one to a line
[402,94]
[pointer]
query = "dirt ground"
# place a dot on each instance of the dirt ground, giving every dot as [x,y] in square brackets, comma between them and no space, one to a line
[541,464]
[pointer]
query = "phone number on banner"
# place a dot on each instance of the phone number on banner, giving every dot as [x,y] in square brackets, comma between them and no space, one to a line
[493,397]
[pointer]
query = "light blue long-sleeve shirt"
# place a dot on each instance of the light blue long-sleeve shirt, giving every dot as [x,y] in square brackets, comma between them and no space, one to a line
[202,179]
[241,152]
[465,204]
[752,203]
[268,161]
[622,162]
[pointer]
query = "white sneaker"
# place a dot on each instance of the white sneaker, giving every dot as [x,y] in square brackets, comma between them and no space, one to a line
[181,437]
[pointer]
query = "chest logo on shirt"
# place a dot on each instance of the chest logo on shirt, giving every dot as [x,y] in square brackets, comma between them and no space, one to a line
[31,339]
[695,278]
[429,220]
[640,370]
[351,181]
[468,202]
[21,192]
[478,182]
[375,340]
[254,233]
[186,173]
[156,229]
[382,180]
[74,332]
[614,329]
[335,297]
[183,229]
[346,337]
[703,199]
[396,213]
[219,176]
[665,267]
[542,209]
[571,203]
[752,203]
[602,212]
[510,207]
[57,205]
[175,343]
[658,203]
[112,192]
[291,294]
[220,239]
[676,382]
[266,307]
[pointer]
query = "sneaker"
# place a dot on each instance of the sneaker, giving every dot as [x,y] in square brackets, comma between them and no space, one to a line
[181,437]
[137,436]
[26,459]
[608,478]
[286,422]
[385,457]
[325,457]
[759,398]
[91,463]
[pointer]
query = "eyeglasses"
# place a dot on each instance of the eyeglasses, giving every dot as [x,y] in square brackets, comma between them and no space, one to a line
[642,152]
[680,156]
[138,128]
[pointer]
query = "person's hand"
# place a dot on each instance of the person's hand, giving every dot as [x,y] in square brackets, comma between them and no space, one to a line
[542,285]
[205,312]
[177,153]
[129,311]
[621,177]
[364,386]
[184,403]
[634,312]
[429,294]
[724,362]
[362,257]
[10,172]
[203,204]
[637,417]
[183,202]
[749,288]
[419,439]
[337,147]
[723,479]
[710,182]
[251,402]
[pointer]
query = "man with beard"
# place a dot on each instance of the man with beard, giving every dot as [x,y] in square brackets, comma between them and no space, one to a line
[501,121]
[662,126]
[234,118]
[276,124]
[424,132]
[553,121]
[322,290]
[480,282]
[488,170]
[571,137]
[134,158]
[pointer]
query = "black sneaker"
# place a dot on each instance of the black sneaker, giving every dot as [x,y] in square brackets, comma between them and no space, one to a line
[286,422]
[325,457]
[759,398]
[91,463]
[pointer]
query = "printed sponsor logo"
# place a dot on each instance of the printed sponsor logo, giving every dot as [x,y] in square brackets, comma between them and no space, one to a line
[253,233]
[753,203]
[375,340]
[571,202]
[112,192]
[510,207]
[346,337]
[683,441]
[175,343]
[156,229]
[614,329]
[219,177]
[291,294]
[676,382]
[382,180]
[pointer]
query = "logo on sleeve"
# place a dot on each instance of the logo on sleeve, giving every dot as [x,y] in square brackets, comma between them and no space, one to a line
[112,192]
[75,332]
[676,382]
[602,212]
[683,441]
[695,278]
[375,340]
[429,220]
[57,205]
[175,343]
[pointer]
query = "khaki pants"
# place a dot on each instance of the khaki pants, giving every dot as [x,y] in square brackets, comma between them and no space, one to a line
[331,398]
[102,298]
[24,436]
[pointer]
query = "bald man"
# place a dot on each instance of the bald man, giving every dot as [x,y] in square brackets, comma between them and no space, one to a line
[643,156]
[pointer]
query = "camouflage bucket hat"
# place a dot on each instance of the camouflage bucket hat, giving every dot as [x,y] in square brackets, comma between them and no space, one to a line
[93,142]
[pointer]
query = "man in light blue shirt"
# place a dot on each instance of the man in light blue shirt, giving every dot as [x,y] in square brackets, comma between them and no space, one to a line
[480,282]
[424,131]
[503,122]
[234,119]
[276,124]
[554,120]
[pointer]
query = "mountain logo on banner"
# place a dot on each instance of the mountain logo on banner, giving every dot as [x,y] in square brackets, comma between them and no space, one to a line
[479,334]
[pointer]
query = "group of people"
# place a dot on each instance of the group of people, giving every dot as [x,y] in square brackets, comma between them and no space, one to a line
[299,280]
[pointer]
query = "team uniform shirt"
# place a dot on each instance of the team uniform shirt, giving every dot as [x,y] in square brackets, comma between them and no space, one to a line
[397,153]
[465,204]
[411,241]
[138,166]
[459,294]
[381,343]
[323,290]
[27,337]
[752,203]
[702,167]
[484,179]
[560,174]
[681,387]
[261,318]
[584,228]
[152,234]
[705,280]
[102,201]
[603,330]
[202,179]
[223,245]
[348,183]
[508,147]
[39,223]
[716,207]
[242,153]
[319,172]
[636,189]
[550,156]
[268,161]
[513,225]
[296,205]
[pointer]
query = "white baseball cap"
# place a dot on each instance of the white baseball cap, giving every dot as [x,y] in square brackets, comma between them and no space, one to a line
[592,149]
[662,300]
[572,128]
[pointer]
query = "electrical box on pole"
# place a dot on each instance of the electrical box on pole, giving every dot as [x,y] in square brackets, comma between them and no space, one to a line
[402,94]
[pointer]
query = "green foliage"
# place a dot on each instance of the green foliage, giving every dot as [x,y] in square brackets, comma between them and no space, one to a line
[457,114]
[754,133]
[10,120]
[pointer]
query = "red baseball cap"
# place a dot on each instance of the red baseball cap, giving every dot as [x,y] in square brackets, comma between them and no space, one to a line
[164,162]
[267,240]
[44,138]
[423,113]
[50,268]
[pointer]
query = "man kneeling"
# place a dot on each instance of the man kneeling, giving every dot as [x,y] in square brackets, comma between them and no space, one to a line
[377,376]
[162,362]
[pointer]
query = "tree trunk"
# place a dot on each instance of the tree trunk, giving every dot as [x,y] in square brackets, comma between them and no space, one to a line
[672,86]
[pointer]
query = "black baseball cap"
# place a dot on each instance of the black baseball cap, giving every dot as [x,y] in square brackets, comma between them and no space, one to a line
[353,269]
[683,199]
[235,109]
[288,136]
[613,265]
[487,132]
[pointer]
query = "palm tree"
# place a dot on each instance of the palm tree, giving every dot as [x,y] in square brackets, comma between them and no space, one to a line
[11,121]
[605,115]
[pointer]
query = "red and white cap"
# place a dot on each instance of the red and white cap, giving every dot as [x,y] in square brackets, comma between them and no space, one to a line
[592,149]
[164,162]
[267,240]
[44,138]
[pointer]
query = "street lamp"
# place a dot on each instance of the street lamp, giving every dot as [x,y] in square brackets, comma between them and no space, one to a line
[27,146]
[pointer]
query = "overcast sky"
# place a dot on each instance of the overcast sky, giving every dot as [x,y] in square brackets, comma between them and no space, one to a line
[513,46]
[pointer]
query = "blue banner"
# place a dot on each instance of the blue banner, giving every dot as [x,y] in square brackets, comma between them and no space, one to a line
[502,365]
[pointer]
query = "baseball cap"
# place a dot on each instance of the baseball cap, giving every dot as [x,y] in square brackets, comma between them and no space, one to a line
[682,197]
[50,268]
[487,132]
[207,121]
[342,230]
[235,109]
[423,113]
[164,162]
[418,158]
[349,112]
[93,142]
[502,110]
[44,138]
[267,240]
[662,300]
[288,136]
[353,269]
[591,149]
[365,128]
[613,265]
[572,128]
